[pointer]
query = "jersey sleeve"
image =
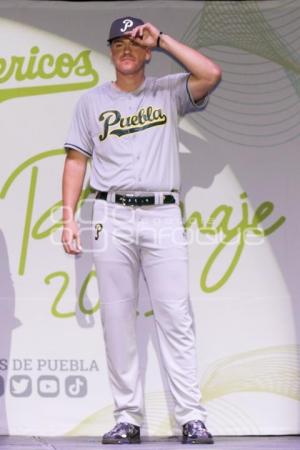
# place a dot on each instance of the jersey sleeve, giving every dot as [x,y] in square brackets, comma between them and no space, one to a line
[79,136]
[180,90]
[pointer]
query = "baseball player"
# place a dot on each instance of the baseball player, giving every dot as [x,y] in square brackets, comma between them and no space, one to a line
[128,128]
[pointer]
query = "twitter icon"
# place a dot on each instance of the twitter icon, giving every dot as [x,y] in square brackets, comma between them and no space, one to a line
[20,386]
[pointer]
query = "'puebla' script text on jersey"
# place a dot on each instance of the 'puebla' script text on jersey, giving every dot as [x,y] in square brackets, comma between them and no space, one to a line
[144,118]
[132,137]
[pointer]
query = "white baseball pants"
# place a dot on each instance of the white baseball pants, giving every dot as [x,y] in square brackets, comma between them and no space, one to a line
[148,238]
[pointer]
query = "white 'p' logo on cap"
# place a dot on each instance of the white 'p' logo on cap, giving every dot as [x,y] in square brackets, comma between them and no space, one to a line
[127,24]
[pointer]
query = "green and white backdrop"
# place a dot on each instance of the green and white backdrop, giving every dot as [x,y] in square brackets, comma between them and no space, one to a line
[240,169]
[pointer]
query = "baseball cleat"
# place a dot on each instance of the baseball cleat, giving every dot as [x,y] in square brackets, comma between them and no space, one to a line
[123,433]
[195,432]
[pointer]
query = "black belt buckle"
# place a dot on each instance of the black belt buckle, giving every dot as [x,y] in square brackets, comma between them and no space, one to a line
[132,200]
[125,200]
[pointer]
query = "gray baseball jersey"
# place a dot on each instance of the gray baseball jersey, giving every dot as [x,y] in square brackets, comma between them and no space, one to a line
[131,136]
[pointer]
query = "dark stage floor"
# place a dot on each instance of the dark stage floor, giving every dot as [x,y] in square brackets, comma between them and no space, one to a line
[86,443]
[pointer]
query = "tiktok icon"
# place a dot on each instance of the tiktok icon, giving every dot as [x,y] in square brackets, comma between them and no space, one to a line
[76,386]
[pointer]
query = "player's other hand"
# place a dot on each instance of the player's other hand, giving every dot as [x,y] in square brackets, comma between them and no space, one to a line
[145,35]
[70,238]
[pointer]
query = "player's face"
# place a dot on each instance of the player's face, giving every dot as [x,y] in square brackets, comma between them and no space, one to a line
[128,56]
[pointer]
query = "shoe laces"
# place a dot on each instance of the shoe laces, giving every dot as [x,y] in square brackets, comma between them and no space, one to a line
[196,427]
[120,428]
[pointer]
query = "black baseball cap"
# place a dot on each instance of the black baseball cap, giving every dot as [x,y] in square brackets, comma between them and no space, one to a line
[121,26]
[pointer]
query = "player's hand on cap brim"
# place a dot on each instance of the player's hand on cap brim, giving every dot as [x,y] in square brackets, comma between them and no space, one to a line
[146,35]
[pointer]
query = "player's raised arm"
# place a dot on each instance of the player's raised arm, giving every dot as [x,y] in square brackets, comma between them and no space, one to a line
[73,176]
[205,74]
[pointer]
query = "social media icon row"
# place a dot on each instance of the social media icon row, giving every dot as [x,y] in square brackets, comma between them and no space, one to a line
[47,386]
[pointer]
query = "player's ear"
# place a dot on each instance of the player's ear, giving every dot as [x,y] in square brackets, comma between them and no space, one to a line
[148,55]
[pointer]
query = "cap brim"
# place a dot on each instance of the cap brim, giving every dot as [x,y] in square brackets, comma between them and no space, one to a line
[117,37]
